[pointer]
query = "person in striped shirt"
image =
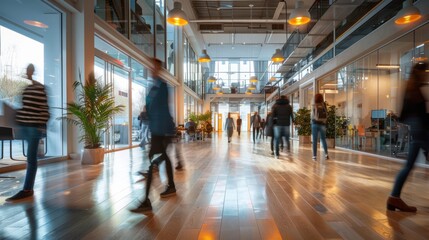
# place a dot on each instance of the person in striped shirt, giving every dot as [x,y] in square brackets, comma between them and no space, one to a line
[32,119]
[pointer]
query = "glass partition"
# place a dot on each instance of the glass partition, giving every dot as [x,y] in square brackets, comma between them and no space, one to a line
[141,21]
[233,76]
[142,27]
[32,37]
[368,95]
[160,31]
[115,13]
[139,89]
[171,53]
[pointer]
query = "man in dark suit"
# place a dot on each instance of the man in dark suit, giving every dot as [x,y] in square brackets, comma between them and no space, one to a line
[239,121]
[255,122]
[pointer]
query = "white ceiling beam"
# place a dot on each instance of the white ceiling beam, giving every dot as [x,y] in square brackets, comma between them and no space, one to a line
[279,9]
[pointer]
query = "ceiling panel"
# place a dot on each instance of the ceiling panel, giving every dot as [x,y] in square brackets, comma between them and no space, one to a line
[236,22]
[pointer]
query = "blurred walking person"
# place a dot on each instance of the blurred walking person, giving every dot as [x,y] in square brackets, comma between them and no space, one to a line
[162,128]
[318,124]
[239,121]
[282,116]
[262,128]
[144,128]
[269,131]
[32,118]
[229,126]
[255,123]
[415,115]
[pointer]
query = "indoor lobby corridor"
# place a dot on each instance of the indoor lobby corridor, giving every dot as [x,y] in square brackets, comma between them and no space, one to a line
[225,191]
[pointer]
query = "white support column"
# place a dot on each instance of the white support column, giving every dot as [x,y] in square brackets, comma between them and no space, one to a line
[81,39]
[180,107]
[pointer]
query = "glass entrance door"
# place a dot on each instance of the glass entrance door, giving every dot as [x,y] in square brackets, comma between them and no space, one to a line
[107,71]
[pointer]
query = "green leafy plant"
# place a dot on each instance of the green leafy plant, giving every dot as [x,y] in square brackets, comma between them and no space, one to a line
[334,123]
[206,121]
[303,121]
[93,110]
[194,117]
[330,121]
[202,121]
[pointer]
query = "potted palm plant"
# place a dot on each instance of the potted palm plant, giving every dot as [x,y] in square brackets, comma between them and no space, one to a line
[206,125]
[303,124]
[203,122]
[92,113]
[334,125]
[330,125]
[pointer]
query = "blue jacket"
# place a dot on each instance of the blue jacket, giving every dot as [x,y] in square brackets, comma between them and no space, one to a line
[160,121]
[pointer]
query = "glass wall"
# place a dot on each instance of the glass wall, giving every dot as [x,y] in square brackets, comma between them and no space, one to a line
[115,13]
[143,22]
[191,106]
[171,43]
[160,31]
[142,25]
[132,80]
[192,69]
[294,102]
[139,88]
[233,76]
[29,35]
[368,95]
[221,109]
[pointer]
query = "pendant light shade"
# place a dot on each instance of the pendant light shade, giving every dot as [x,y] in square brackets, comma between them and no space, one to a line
[278,56]
[252,86]
[216,87]
[248,91]
[204,57]
[299,15]
[220,92]
[177,16]
[211,79]
[253,79]
[408,13]
[273,79]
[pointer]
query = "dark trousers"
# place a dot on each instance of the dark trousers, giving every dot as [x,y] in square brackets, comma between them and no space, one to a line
[179,156]
[255,133]
[32,135]
[272,143]
[238,129]
[159,145]
[420,141]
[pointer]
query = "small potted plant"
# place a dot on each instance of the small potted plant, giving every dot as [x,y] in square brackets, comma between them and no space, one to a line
[92,113]
[334,125]
[303,124]
[203,122]
[330,125]
[206,125]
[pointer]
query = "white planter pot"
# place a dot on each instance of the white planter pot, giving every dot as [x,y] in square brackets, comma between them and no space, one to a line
[92,156]
[330,142]
[304,140]
[75,156]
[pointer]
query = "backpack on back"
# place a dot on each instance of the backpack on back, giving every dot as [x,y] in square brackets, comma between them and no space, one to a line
[320,113]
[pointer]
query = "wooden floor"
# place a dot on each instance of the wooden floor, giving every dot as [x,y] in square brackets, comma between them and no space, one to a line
[226,191]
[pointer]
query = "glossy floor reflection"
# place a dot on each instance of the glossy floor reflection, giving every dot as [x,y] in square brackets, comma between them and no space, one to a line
[226,191]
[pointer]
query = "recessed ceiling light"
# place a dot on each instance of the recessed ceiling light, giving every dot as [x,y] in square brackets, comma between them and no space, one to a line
[388,66]
[35,24]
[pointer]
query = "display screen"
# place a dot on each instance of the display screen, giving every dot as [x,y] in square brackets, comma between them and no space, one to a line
[379,114]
